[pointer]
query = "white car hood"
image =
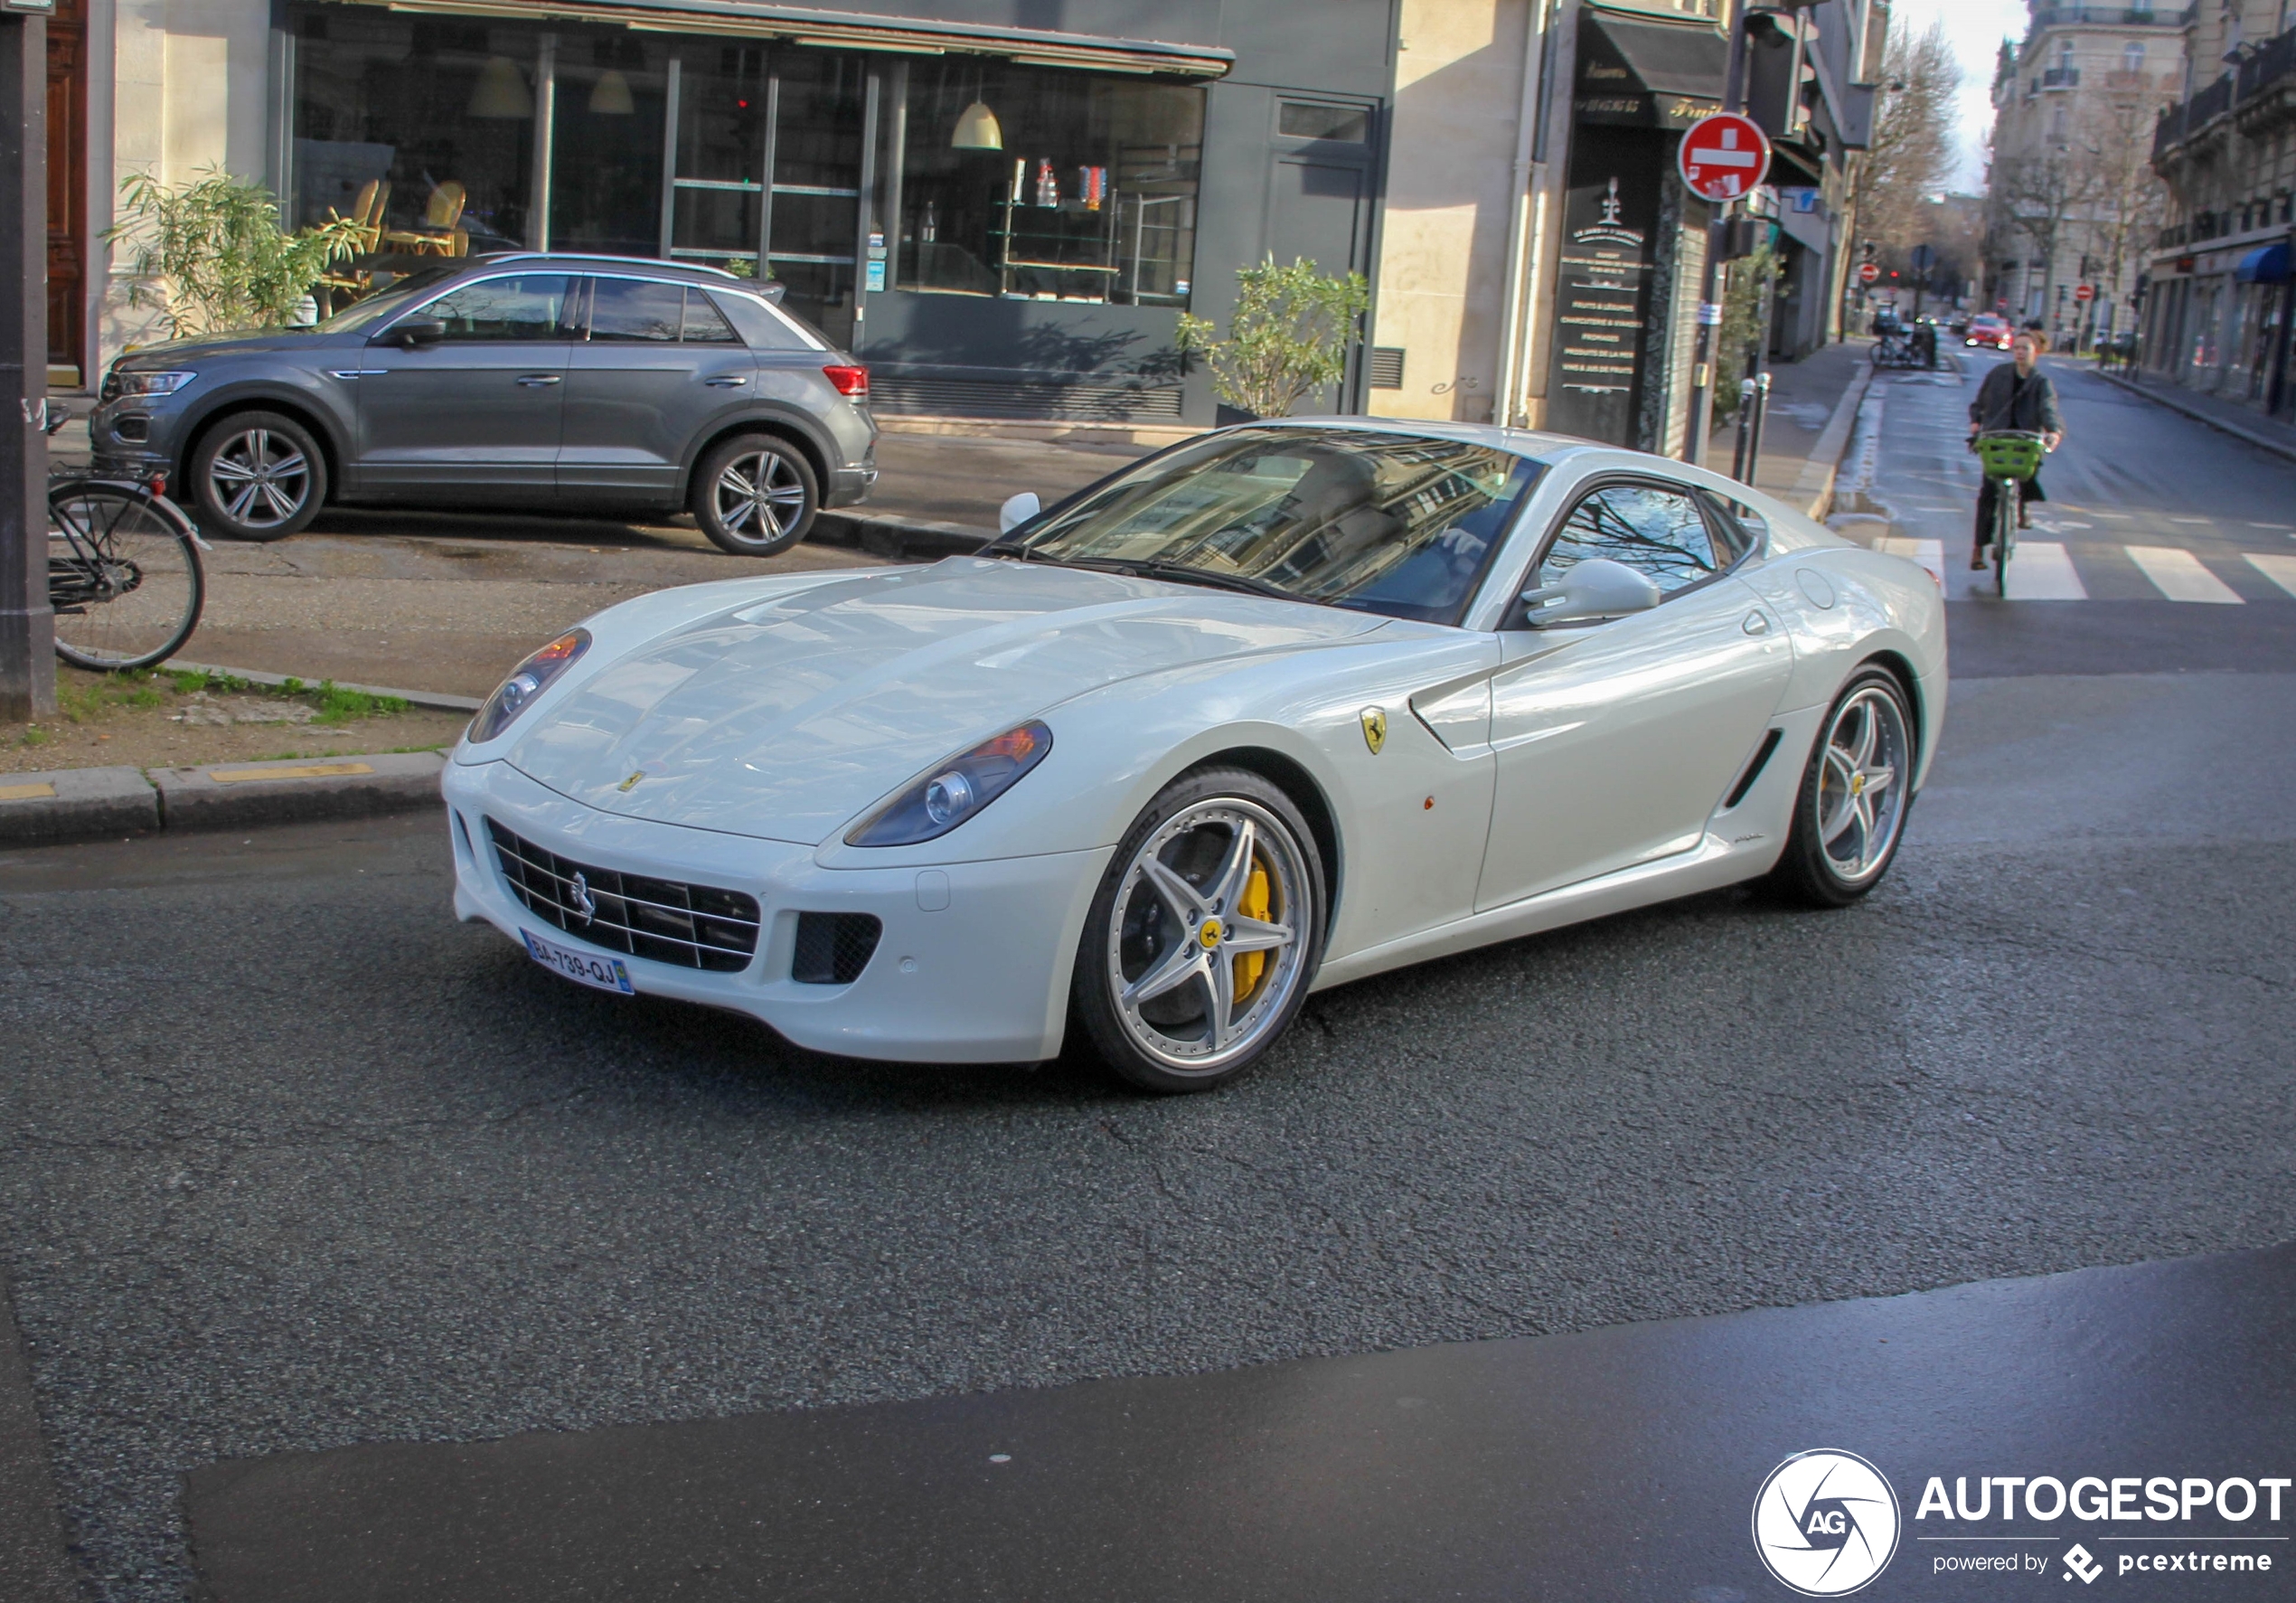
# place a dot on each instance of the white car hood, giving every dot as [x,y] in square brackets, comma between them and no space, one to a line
[783,718]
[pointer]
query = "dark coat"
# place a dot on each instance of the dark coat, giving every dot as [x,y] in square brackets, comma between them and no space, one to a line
[2004,403]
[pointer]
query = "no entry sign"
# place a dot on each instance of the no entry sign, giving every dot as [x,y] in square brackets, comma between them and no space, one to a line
[1869,272]
[2085,292]
[1724,157]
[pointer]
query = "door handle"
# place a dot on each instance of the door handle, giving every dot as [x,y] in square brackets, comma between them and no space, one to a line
[726,380]
[1757,623]
[532,379]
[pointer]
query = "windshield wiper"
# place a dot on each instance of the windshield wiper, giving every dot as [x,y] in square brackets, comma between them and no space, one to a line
[1182,573]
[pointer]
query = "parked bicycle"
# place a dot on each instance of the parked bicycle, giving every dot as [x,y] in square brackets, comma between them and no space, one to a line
[124,574]
[2009,457]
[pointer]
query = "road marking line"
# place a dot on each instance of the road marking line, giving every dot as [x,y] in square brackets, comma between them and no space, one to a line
[40,792]
[2198,522]
[2178,575]
[2274,526]
[1929,553]
[2040,571]
[317,770]
[2280,571]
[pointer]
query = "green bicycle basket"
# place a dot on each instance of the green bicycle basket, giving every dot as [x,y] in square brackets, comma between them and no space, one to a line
[2009,454]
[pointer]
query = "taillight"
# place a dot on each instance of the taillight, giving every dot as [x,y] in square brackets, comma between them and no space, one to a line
[850,381]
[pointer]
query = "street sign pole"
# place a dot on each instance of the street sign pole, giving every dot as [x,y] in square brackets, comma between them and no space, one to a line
[1710,280]
[27,627]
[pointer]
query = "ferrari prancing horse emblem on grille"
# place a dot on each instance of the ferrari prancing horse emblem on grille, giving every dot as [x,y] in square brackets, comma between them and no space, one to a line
[579,895]
[1374,727]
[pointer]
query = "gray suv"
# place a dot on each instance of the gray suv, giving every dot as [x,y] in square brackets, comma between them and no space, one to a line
[529,381]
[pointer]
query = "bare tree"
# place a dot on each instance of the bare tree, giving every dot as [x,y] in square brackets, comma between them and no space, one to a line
[2036,196]
[1915,139]
[2123,199]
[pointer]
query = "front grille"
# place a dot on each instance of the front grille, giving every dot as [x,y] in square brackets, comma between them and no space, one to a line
[833,949]
[693,926]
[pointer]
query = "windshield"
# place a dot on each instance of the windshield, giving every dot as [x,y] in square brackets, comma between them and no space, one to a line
[384,303]
[1399,524]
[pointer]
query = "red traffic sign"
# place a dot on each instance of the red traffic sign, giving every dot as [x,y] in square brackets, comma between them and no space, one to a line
[1869,272]
[1724,157]
[2085,292]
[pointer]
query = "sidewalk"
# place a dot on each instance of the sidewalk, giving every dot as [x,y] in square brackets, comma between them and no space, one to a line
[2242,422]
[1814,403]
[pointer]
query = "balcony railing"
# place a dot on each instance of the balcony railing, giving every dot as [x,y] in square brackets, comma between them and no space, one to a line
[2061,77]
[2115,16]
[2262,70]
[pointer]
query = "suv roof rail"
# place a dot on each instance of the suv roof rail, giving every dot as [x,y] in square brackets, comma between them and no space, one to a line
[644,261]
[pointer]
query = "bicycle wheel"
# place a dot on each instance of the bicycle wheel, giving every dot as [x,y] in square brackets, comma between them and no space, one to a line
[123,575]
[2004,504]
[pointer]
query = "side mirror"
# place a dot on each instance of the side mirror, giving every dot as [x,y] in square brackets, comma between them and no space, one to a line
[1596,588]
[1017,511]
[415,332]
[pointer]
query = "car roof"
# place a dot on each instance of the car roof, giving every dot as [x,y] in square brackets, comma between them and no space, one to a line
[651,266]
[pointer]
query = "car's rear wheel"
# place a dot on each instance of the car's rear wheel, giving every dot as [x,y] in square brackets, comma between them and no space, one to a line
[1205,933]
[755,495]
[257,475]
[1850,813]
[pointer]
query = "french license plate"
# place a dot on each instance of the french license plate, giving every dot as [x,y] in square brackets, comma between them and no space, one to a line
[589,968]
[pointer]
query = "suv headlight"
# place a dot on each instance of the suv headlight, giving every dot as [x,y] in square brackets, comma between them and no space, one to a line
[152,384]
[956,789]
[526,681]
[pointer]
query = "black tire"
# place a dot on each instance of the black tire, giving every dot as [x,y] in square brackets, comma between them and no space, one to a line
[257,475]
[755,495]
[1810,870]
[124,576]
[1263,879]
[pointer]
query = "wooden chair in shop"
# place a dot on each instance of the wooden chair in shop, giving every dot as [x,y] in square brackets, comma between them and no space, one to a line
[438,235]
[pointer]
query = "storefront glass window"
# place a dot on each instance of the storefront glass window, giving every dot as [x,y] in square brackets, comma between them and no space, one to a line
[423,127]
[1039,185]
[606,144]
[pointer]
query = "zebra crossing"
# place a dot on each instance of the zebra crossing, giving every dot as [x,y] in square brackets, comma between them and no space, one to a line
[2045,571]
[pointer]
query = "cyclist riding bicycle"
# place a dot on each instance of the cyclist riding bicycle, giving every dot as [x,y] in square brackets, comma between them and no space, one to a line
[2014,395]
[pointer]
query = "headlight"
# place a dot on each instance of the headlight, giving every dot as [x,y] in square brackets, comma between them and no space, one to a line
[152,384]
[527,680]
[955,789]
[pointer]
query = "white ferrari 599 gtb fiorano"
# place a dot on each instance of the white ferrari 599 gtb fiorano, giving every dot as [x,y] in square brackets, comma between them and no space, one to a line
[1286,706]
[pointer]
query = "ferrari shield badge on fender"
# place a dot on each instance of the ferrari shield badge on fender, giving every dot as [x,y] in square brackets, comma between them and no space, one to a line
[1374,727]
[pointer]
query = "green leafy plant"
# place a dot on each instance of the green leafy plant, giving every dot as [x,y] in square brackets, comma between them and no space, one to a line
[1289,335]
[1743,326]
[211,256]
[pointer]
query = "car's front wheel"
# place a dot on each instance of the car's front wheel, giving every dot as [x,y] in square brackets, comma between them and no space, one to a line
[257,475]
[1204,934]
[755,495]
[1850,813]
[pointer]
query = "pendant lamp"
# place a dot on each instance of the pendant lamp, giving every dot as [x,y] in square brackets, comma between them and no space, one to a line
[501,92]
[611,97]
[977,129]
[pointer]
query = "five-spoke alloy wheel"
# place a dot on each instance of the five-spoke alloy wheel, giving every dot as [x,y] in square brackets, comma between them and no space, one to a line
[755,495]
[257,475]
[1205,933]
[1852,810]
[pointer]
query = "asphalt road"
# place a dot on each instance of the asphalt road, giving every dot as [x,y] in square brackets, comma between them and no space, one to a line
[292,1160]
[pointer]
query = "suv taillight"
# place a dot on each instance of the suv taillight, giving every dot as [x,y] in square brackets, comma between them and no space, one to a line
[850,381]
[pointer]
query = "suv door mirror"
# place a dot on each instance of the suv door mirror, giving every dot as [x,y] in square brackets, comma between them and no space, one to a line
[413,331]
[1017,511]
[1596,588]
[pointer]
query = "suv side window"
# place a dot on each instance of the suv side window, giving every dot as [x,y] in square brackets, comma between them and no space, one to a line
[626,309]
[705,324]
[1654,531]
[529,307]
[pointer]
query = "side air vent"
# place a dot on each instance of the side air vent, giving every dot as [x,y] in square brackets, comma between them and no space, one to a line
[833,949]
[1753,770]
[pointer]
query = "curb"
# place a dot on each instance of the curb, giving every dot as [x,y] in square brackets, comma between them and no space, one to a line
[882,534]
[1813,493]
[436,699]
[2262,442]
[81,804]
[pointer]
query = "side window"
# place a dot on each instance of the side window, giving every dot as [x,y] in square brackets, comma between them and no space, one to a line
[626,309]
[531,306]
[1657,532]
[705,324]
[762,328]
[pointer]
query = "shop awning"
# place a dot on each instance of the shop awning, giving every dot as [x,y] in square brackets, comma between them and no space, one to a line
[855,30]
[2267,264]
[1647,70]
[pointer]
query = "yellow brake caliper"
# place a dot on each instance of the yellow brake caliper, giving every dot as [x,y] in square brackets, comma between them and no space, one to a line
[1252,904]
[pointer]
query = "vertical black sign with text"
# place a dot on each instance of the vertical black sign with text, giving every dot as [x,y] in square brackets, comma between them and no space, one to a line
[1610,219]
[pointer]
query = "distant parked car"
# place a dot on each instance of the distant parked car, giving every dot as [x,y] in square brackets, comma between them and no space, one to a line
[1986,329]
[530,381]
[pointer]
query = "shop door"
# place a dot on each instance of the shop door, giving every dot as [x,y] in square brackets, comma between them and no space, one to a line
[742,114]
[67,193]
[1319,204]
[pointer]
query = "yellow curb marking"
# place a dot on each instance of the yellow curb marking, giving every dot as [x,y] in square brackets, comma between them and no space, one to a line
[317,770]
[26,792]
